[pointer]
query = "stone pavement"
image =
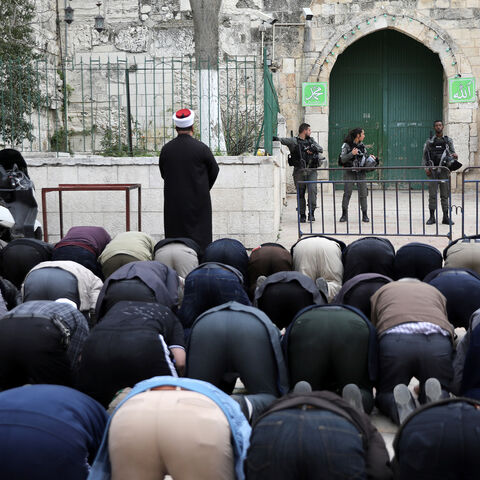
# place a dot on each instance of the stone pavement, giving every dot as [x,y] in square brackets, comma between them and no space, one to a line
[288,235]
[389,223]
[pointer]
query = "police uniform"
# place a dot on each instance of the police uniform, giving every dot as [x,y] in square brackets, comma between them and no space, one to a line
[348,159]
[433,151]
[304,170]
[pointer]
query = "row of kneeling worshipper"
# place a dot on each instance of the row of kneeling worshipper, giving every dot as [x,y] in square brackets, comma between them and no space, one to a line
[158,336]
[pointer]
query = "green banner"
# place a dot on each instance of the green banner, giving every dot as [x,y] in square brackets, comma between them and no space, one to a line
[314,94]
[461,90]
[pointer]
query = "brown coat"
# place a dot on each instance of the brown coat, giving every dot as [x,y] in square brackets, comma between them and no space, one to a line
[408,301]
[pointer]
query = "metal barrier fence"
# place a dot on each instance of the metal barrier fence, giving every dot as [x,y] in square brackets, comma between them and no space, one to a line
[396,207]
[121,107]
[469,224]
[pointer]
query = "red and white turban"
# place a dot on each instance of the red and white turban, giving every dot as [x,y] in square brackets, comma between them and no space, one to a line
[184,118]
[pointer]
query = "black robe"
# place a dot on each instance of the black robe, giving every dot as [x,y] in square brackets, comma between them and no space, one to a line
[189,171]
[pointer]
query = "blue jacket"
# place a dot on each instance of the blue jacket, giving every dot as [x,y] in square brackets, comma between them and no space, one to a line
[66,422]
[239,426]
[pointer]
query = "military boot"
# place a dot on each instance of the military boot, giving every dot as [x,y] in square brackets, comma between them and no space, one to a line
[365,216]
[344,216]
[431,220]
[446,220]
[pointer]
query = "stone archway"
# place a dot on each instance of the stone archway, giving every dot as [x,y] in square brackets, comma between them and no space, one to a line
[319,61]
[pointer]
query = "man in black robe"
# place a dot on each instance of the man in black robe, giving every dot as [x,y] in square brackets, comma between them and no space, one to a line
[189,170]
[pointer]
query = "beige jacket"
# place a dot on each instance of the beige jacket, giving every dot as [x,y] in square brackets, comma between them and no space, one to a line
[89,285]
[320,257]
[138,244]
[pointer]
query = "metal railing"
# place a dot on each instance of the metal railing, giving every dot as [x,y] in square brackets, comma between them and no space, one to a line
[470,186]
[396,207]
[123,107]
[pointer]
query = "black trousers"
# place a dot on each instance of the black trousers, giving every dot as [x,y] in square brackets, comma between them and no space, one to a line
[31,351]
[282,301]
[113,359]
[226,345]
[403,356]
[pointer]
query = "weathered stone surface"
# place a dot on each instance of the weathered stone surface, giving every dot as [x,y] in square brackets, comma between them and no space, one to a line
[164,28]
[133,39]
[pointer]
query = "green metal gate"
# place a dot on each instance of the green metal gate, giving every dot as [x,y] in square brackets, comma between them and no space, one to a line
[392,86]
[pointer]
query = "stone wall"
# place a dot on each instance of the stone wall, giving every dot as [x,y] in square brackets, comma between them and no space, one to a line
[247,197]
[450,28]
[146,29]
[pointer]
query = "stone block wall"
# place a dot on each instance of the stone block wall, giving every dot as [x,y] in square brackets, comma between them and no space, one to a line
[449,28]
[143,29]
[247,197]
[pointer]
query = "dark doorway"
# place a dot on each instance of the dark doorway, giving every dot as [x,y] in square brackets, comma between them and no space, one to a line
[392,86]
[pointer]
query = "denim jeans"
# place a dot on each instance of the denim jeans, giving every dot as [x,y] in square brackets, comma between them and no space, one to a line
[228,251]
[305,444]
[206,288]
[80,255]
[440,442]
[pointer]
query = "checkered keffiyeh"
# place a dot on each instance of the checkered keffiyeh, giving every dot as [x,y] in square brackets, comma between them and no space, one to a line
[69,316]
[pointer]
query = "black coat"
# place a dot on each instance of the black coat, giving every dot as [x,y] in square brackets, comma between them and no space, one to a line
[189,170]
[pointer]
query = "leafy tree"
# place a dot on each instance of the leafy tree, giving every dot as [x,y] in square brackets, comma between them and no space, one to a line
[19,82]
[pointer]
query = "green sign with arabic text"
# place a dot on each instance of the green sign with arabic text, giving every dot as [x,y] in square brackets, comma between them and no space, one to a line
[314,94]
[461,90]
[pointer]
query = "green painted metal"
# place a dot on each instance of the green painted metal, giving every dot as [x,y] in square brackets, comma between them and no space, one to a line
[270,108]
[392,86]
[88,113]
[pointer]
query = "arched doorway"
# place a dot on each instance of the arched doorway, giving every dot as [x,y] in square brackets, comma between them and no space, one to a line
[392,86]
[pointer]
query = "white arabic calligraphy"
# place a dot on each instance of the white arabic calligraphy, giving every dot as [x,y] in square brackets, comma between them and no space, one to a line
[464,91]
[315,93]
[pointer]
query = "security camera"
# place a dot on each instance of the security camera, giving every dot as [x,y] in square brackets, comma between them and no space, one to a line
[266,17]
[308,13]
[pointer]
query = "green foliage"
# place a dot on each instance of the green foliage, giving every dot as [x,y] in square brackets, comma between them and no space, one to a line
[60,141]
[240,130]
[19,81]
[112,145]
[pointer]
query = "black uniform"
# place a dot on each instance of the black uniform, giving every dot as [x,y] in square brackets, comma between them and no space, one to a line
[304,169]
[189,170]
[434,150]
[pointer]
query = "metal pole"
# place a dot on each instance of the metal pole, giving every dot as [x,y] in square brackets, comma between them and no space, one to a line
[129,114]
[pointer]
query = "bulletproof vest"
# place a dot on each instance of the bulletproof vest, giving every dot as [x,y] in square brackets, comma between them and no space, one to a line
[311,159]
[296,153]
[436,148]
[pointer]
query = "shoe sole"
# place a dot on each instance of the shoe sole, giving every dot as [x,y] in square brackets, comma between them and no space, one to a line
[433,390]
[404,402]
[351,393]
